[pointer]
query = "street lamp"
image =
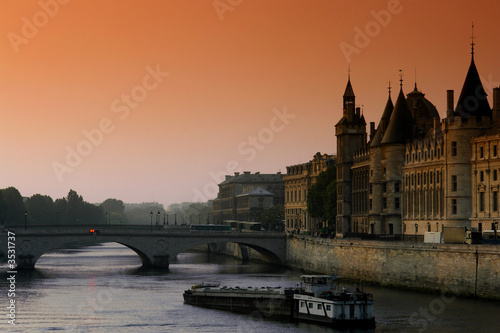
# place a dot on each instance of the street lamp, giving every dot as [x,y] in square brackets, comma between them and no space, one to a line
[151,214]
[26,219]
[495,231]
[157,218]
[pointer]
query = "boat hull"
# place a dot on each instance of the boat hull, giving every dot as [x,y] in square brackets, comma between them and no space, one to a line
[272,308]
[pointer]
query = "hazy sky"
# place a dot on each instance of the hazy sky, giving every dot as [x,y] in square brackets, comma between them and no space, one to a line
[146,100]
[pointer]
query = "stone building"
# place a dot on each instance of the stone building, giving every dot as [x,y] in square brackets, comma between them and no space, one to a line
[416,172]
[298,180]
[240,193]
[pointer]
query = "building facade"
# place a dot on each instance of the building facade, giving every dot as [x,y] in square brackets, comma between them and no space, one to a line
[298,180]
[416,172]
[240,193]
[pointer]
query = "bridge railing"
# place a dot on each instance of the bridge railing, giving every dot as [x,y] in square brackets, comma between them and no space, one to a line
[96,226]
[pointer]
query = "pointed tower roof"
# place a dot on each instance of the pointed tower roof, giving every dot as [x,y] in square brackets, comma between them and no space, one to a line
[348,89]
[400,128]
[472,100]
[382,125]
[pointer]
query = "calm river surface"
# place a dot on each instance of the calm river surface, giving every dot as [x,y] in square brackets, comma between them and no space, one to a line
[104,289]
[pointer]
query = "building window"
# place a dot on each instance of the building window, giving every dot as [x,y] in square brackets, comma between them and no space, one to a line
[480,227]
[454,184]
[453,206]
[481,152]
[370,203]
[384,187]
[481,176]
[494,150]
[385,171]
[396,203]
[495,174]
[428,226]
[396,187]
[495,201]
[453,148]
[384,202]
[481,201]
[437,177]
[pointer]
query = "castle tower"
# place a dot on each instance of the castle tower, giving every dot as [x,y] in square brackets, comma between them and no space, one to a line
[351,136]
[392,152]
[375,189]
[471,117]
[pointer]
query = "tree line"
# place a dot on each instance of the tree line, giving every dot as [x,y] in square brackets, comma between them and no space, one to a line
[43,210]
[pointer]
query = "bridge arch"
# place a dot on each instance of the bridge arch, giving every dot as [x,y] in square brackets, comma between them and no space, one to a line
[154,247]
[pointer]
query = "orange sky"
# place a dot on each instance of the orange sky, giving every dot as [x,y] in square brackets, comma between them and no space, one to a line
[256,85]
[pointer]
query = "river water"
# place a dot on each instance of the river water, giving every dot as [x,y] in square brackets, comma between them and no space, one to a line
[104,289]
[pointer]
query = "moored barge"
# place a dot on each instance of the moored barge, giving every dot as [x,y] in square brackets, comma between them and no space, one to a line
[275,303]
[317,301]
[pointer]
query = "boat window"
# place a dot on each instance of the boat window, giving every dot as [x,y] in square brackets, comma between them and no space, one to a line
[352,311]
[302,304]
[328,307]
[310,305]
[319,306]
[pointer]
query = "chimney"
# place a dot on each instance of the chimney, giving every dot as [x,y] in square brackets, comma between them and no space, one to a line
[236,174]
[450,102]
[372,130]
[496,103]
[358,111]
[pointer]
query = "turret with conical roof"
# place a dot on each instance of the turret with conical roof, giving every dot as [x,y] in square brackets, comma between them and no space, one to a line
[473,99]
[384,121]
[400,127]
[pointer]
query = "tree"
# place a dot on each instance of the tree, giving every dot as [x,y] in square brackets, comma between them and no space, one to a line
[322,197]
[12,207]
[41,210]
[114,210]
[271,218]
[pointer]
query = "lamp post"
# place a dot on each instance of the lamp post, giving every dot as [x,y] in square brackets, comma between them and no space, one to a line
[151,214]
[25,219]
[157,218]
[495,231]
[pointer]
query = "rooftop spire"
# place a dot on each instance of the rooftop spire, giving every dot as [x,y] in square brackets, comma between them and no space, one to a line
[416,78]
[472,40]
[389,87]
[401,78]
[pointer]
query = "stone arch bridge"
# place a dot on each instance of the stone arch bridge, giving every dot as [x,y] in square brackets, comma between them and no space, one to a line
[155,247]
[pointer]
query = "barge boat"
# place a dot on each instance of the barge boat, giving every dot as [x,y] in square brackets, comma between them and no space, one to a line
[316,301]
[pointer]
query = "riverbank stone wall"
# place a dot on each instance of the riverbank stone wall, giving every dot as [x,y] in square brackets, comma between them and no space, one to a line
[459,269]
